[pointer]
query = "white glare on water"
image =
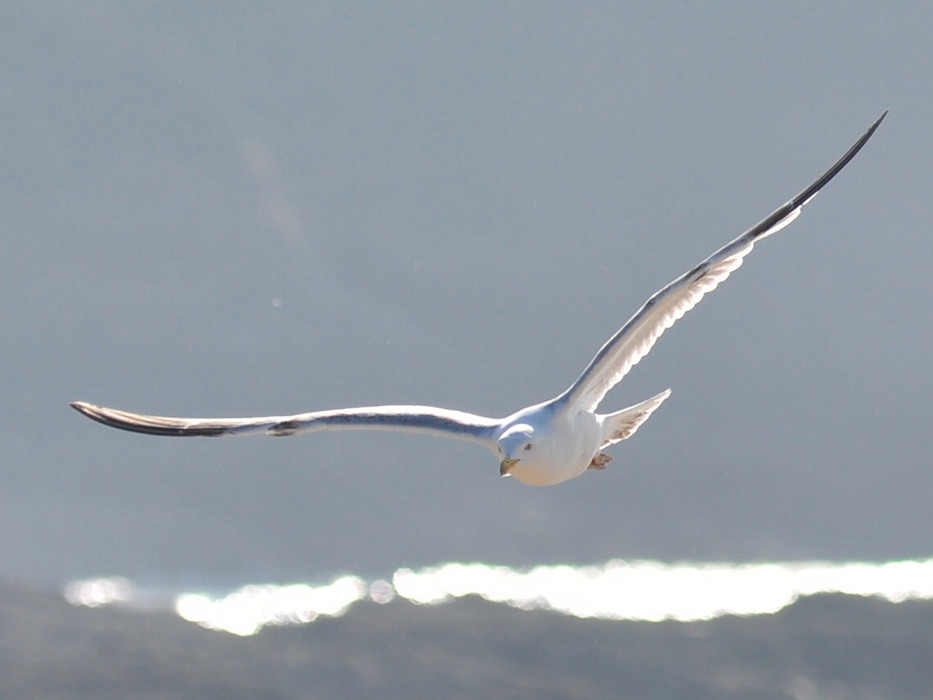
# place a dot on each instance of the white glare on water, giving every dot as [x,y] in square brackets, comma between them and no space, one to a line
[616,590]
[100,591]
[248,609]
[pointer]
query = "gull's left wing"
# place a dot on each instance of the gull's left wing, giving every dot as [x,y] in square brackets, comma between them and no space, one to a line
[635,339]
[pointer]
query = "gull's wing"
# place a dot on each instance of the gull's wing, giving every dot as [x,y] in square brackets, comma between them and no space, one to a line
[635,339]
[414,419]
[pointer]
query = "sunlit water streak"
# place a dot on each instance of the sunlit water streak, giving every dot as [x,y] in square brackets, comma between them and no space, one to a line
[617,590]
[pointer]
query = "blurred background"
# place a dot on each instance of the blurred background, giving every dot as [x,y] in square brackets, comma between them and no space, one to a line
[226,209]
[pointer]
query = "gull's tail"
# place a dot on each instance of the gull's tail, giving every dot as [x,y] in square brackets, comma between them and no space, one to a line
[622,424]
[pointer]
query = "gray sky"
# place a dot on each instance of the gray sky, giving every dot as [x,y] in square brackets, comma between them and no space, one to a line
[235,210]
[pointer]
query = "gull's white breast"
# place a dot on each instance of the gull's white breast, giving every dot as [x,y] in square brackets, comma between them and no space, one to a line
[565,444]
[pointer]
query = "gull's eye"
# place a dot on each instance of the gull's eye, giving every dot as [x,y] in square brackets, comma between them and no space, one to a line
[527,447]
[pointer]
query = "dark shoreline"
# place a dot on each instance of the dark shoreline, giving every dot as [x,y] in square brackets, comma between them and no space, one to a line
[822,646]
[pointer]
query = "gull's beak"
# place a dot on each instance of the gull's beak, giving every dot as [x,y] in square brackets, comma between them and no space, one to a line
[505,466]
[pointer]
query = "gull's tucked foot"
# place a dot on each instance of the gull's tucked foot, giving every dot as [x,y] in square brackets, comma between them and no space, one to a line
[600,461]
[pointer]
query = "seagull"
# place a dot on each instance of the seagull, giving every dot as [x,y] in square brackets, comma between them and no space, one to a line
[547,443]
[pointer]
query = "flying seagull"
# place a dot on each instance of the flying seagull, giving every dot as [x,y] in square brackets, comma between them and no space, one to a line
[543,444]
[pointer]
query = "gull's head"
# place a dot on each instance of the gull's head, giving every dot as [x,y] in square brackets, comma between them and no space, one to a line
[515,444]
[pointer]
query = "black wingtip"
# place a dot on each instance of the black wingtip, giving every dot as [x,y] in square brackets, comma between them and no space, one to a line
[136,423]
[878,121]
[82,407]
[808,193]
[93,412]
[868,134]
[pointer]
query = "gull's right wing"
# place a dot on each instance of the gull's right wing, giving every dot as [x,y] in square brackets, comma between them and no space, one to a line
[413,419]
